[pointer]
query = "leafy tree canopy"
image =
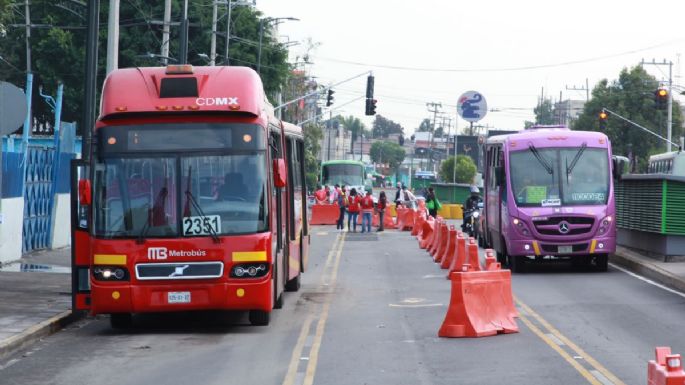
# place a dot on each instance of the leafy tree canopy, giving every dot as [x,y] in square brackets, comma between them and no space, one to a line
[387,152]
[465,169]
[383,127]
[425,126]
[544,112]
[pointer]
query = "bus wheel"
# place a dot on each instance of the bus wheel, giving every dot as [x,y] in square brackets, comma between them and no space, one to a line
[293,284]
[259,317]
[516,263]
[602,262]
[121,320]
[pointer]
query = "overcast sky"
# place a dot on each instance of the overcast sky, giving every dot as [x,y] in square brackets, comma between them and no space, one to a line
[433,51]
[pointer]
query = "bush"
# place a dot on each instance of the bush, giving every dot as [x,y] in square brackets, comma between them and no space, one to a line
[466,169]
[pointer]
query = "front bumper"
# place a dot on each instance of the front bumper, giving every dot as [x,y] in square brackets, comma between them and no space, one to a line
[529,247]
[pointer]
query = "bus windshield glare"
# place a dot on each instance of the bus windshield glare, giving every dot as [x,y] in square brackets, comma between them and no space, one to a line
[560,176]
[343,174]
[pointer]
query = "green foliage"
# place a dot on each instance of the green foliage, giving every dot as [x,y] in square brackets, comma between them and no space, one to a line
[425,126]
[354,125]
[466,169]
[544,112]
[58,52]
[631,96]
[312,136]
[387,152]
[383,127]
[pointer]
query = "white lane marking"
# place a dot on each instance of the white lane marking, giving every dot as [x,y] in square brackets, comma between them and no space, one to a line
[9,363]
[601,377]
[415,305]
[555,339]
[434,276]
[647,280]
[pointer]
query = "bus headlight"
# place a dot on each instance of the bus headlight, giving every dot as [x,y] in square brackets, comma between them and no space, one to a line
[249,270]
[110,273]
[605,224]
[521,227]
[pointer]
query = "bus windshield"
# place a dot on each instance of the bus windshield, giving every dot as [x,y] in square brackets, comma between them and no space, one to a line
[343,174]
[209,195]
[560,176]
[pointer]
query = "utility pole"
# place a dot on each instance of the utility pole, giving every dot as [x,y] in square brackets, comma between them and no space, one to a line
[212,44]
[228,31]
[28,37]
[91,67]
[165,31]
[586,89]
[669,119]
[113,36]
[183,55]
[435,107]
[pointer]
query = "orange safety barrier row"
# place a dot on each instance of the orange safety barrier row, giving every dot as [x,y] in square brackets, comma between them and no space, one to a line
[324,214]
[667,369]
[481,304]
[418,223]
[437,238]
[405,218]
[447,257]
[444,235]
[426,233]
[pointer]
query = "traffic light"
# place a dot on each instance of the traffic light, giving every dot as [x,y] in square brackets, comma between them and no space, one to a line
[603,117]
[401,140]
[661,98]
[369,87]
[329,98]
[371,106]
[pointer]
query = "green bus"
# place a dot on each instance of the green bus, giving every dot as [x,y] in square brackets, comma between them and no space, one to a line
[350,173]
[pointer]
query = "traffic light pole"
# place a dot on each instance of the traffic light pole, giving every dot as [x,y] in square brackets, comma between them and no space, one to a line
[325,89]
[644,129]
[331,110]
[669,118]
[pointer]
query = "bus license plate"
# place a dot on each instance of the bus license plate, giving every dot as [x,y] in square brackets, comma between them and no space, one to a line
[179,297]
[565,249]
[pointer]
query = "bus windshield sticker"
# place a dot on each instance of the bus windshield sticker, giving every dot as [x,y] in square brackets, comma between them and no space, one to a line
[209,224]
[536,194]
[550,202]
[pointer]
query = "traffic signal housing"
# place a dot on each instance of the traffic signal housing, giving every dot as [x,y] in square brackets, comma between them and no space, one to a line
[371,107]
[603,117]
[329,97]
[661,98]
[369,87]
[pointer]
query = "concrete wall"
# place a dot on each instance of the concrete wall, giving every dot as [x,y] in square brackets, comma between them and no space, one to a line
[61,219]
[11,229]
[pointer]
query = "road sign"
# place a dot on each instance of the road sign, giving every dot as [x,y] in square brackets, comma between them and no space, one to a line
[472,106]
[13,108]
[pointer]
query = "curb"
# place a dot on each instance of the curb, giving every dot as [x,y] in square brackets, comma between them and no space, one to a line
[36,332]
[649,270]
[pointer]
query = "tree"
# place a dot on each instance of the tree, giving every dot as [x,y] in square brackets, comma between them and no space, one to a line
[383,127]
[466,169]
[354,125]
[313,134]
[631,96]
[544,112]
[425,126]
[387,152]
[58,51]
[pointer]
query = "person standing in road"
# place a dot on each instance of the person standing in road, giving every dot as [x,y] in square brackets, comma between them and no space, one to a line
[432,203]
[367,212]
[340,200]
[353,206]
[382,203]
[398,194]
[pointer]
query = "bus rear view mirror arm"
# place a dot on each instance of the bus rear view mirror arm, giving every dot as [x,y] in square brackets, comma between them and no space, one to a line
[279,173]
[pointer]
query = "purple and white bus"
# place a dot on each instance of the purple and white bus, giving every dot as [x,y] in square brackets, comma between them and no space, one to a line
[549,193]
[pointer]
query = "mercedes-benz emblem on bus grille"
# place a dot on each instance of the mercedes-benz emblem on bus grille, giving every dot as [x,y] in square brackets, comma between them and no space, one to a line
[564,227]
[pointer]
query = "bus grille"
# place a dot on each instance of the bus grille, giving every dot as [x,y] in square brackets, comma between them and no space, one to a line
[576,225]
[190,270]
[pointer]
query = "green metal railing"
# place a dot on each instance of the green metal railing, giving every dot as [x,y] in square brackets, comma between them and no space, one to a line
[652,203]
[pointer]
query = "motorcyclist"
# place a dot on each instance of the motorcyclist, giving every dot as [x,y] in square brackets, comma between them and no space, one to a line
[471,205]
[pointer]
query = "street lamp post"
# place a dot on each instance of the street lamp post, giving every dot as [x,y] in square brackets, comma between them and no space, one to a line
[261,34]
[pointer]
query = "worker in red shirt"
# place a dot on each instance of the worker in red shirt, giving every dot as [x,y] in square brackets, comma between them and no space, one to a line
[367,212]
[353,207]
[321,196]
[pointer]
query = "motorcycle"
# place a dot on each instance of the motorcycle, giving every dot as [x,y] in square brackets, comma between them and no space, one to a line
[471,224]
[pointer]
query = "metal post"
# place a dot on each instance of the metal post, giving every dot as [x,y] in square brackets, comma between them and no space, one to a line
[165,31]
[28,37]
[228,32]
[89,94]
[56,161]
[183,51]
[113,36]
[259,51]
[26,133]
[670,107]
[212,44]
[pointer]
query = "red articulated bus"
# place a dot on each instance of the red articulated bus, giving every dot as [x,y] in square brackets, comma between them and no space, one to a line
[193,197]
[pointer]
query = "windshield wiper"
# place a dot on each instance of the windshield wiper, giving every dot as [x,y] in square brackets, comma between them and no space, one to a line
[191,198]
[540,159]
[575,160]
[159,201]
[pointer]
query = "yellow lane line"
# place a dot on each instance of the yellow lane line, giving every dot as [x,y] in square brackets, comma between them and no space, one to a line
[291,375]
[314,353]
[580,352]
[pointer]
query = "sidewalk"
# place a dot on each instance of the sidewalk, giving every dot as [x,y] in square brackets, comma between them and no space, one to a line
[35,298]
[35,294]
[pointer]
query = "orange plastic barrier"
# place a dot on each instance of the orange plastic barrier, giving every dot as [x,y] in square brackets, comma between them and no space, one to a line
[481,304]
[400,216]
[473,260]
[426,233]
[440,234]
[436,233]
[375,219]
[489,258]
[388,222]
[420,217]
[405,219]
[667,369]
[444,241]
[324,214]
[447,257]
[459,256]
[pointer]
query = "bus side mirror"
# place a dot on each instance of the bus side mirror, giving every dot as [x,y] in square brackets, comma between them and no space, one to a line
[84,192]
[618,166]
[279,172]
[499,175]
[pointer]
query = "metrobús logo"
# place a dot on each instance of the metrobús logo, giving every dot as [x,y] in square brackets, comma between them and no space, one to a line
[158,253]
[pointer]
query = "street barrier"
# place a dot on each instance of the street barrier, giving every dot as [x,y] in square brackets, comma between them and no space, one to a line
[490,258]
[481,304]
[324,214]
[427,232]
[418,223]
[459,256]
[444,240]
[667,369]
[440,234]
[447,257]
[436,236]
[405,219]
[400,217]
[388,221]
[473,259]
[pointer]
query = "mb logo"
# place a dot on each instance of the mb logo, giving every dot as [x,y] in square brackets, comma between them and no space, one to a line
[155,253]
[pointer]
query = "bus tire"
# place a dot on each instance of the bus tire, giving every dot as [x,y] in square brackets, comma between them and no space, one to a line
[516,263]
[602,262]
[294,284]
[121,320]
[259,317]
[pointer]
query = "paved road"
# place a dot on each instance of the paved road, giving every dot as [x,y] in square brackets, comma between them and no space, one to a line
[368,313]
